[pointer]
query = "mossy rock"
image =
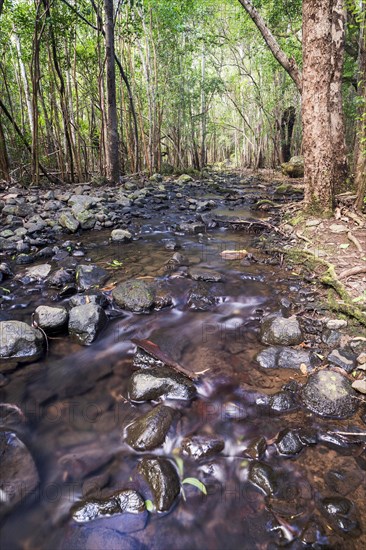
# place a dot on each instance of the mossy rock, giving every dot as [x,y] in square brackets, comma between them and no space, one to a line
[294,168]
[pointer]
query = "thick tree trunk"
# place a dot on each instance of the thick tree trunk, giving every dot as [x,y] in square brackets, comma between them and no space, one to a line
[112,153]
[4,160]
[323,136]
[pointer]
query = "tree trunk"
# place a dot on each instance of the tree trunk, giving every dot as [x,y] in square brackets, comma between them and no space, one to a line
[112,154]
[360,164]
[288,118]
[323,138]
[4,160]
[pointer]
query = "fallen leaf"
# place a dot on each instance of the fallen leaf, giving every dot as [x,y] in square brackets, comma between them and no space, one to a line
[233,254]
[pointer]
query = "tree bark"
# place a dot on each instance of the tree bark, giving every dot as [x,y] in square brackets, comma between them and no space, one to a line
[289,65]
[112,153]
[287,123]
[323,43]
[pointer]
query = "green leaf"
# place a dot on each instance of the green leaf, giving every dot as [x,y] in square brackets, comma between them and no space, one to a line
[180,465]
[196,483]
[5,289]
[149,506]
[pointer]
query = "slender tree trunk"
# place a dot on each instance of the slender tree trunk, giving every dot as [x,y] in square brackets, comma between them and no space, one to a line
[113,169]
[360,164]
[287,123]
[322,42]
[4,159]
[203,111]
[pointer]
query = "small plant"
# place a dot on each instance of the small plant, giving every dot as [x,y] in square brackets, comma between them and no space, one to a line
[189,480]
[114,264]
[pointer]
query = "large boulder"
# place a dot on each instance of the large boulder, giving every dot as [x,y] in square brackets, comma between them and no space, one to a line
[85,322]
[294,168]
[329,393]
[149,430]
[281,331]
[20,342]
[163,481]
[134,295]
[154,383]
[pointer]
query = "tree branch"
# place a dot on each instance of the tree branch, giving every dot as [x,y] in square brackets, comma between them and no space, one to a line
[289,65]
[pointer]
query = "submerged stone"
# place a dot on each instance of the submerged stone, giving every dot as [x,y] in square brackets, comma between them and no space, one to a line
[289,442]
[163,480]
[90,276]
[256,448]
[262,475]
[149,430]
[154,383]
[124,501]
[328,393]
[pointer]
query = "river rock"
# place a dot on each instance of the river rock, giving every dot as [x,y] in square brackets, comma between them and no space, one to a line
[90,276]
[282,331]
[256,448]
[184,178]
[207,275]
[289,442]
[341,514]
[192,227]
[163,480]
[134,296]
[294,168]
[68,221]
[20,341]
[262,475]
[85,322]
[152,384]
[284,358]
[124,501]
[282,401]
[201,446]
[149,430]
[38,272]
[18,473]
[51,318]
[328,393]
[344,359]
[121,236]
[61,277]
[86,218]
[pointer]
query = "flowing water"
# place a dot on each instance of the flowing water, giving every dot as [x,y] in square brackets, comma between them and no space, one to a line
[76,409]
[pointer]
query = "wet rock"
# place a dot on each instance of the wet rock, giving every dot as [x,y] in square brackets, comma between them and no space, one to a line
[192,227]
[90,276]
[205,275]
[85,218]
[121,236]
[202,298]
[38,272]
[149,430]
[61,277]
[256,448]
[341,514]
[85,322]
[289,442]
[312,533]
[98,299]
[20,341]
[330,394]
[163,480]
[262,475]
[343,359]
[284,358]
[18,473]
[202,446]
[124,501]
[68,221]
[281,331]
[51,318]
[344,479]
[331,337]
[152,384]
[134,296]
[282,402]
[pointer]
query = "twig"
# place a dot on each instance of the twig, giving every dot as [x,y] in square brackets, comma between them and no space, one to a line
[352,271]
